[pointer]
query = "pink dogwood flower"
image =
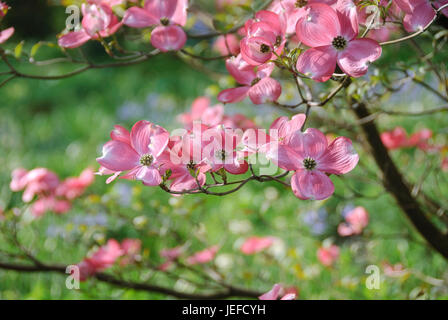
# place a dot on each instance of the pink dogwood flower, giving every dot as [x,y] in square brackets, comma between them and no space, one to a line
[140,156]
[39,181]
[98,21]
[276,291]
[265,36]
[398,138]
[221,151]
[73,187]
[419,13]
[332,38]
[203,256]
[254,245]
[167,15]
[201,111]
[328,255]
[49,203]
[356,220]
[312,158]
[259,86]
[227,45]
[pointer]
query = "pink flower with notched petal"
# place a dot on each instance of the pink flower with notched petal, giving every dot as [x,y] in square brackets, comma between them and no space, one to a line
[203,256]
[419,13]
[356,220]
[328,255]
[332,39]
[98,21]
[6,34]
[254,245]
[259,86]
[167,16]
[142,157]
[275,293]
[220,151]
[201,111]
[265,36]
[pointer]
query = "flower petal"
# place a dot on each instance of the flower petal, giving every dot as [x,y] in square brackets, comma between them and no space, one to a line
[340,157]
[120,134]
[170,38]
[73,39]
[311,185]
[150,176]
[118,156]
[6,34]
[161,9]
[265,90]
[139,18]
[419,18]
[355,59]
[311,143]
[233,95]
[319,26]
[318,63]
[283,156]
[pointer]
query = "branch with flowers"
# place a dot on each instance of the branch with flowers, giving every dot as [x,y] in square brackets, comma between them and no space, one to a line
[324,49]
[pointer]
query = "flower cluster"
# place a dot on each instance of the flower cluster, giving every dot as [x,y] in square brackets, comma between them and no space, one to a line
[51,193]
[126,252]
[147,153]
[355,222]
[6,33]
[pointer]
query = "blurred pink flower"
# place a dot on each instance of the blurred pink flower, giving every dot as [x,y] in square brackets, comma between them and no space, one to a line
[276,291]
[356,220]
[6,34]
[227,45]
[328,255]
[254,245]
[203,256]
[73,187]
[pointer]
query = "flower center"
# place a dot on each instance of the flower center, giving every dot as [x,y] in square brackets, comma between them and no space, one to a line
[264,48]
[301,3]
[146,160]
[309,163]
[191,165]
[339,43]
[165,21]
[255,81]
[278,41]
[221,154]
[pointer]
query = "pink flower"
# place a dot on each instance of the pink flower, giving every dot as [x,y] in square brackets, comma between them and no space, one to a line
[394,271]
[49,203]
[39,181]
[227,44]
[311,157]
[328,255]
[419,13]
[265,35]
[332,38]
[141,157]
[3,9]
[238,121]
[203,256]
[221,152]
[98,21]
[254,245]
[201,111]
[131,249]
[398,138]
[275,292]
[171,255]
[74,187]
[187,165]
[6,34]
[356,221]
[259,86]
[167,16]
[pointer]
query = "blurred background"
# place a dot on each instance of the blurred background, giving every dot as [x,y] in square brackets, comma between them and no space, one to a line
[62,125]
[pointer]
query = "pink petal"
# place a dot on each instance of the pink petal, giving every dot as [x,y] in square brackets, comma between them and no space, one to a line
[283,156]
[147,137]
[139,18]
[265,90]
[251,50]
[187,182]
[170,38]
[272,294]
[318,63]
[96,18]
[254,245]
[6,34]
[345,230]
[240,70]
[313,185]
[339,158]
[120,134]
[199,106]
[289,296]
[236,167]
[161,9]
[73,39]
[150,176]
[118,156]
[285,128]
[419,18]
[234,94]
[319,26]
[180,15]
[355,59]
[311,143]
[348,18]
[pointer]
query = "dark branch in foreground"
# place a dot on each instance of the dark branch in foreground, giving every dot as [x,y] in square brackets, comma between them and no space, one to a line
[228,292]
